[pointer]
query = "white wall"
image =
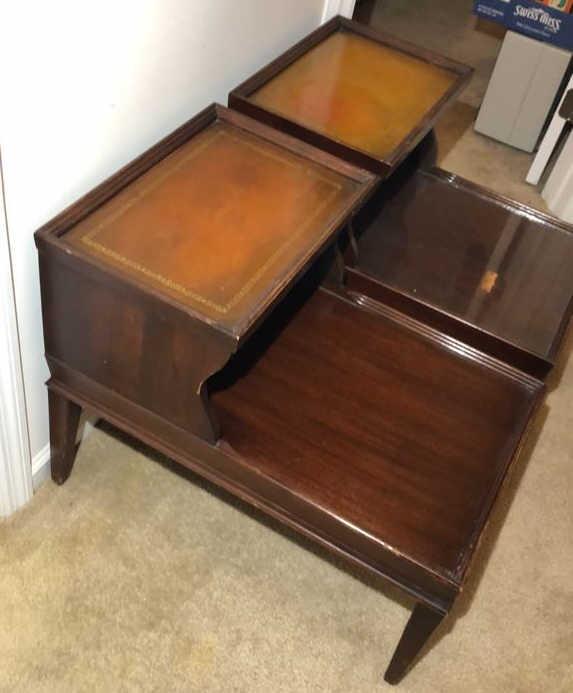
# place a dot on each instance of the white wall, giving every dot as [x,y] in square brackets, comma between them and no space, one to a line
[15,479]
[88,86]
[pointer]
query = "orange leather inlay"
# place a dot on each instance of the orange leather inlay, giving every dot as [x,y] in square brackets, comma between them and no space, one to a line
[219,223]
[357,91]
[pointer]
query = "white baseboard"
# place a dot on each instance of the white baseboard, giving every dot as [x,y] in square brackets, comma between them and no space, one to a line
[41,467]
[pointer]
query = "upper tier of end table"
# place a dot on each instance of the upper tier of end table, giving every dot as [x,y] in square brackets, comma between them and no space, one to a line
[357,93]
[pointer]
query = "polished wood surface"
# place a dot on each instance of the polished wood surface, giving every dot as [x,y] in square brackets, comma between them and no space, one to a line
[366,97]
[447,244]
[399,432]
[220,222]
[357,91]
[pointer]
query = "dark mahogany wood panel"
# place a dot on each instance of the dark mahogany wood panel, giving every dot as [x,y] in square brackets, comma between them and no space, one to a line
[145,350]
[490,271]
[404,435]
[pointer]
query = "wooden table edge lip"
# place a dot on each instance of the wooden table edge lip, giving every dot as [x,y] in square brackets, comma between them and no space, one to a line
[441,599]
[534,385]
[49,236]
[444,340]
[239,97]
[520,208]
[518,442]
[538,365]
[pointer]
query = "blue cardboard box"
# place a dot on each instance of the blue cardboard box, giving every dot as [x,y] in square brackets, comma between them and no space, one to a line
[531,19]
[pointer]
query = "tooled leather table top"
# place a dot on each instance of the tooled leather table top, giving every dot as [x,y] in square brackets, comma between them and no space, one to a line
[219,223]
[357,91]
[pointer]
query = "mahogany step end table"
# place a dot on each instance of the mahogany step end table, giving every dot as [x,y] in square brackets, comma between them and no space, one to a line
[196,300]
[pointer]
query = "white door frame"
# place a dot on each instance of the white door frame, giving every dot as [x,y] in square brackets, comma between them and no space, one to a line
[15,461]
[334,7]
[558,191]
[548,142]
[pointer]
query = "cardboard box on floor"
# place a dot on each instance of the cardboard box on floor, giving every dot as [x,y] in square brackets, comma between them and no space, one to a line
[521,91]
[531,18]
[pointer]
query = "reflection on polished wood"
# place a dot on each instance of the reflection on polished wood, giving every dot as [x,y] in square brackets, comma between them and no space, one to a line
[401,434]
[219,222]
[445,242]
[357,91]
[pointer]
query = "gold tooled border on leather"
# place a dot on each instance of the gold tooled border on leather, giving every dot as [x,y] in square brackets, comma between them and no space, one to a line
[88,238]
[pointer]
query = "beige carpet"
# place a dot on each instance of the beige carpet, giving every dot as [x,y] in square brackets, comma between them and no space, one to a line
[483,160]
[131,578]
[447,27]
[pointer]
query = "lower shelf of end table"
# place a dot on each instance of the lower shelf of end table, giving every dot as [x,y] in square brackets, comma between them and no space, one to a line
[392,430]
[380,438]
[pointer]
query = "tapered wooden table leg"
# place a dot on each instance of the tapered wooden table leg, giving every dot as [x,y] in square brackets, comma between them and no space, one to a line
[421,625]
[64,422]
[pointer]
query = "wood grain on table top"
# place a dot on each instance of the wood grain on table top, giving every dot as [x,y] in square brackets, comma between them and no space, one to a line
[402,436]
